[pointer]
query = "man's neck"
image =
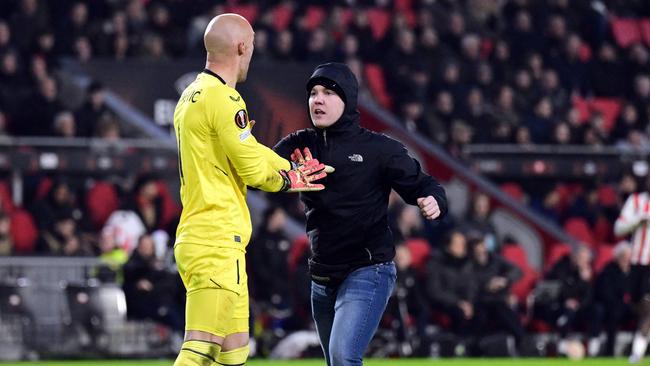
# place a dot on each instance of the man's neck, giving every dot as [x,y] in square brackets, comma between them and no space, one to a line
[226,72]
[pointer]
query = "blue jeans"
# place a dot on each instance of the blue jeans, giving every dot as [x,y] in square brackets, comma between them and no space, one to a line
[347,316]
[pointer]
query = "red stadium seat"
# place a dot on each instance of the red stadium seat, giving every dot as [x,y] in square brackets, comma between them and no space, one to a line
[584,53]
[404,5]
[248,11]
[420,251]
[578,228]
[515,254]
[379,20]
[555,253]
[513,190]
[626,31]
[645,30]
[582,105]
[170,209]
[604,254]
[23,231]
[101,201]
[609,107]
[298,248]
[603,230]
[282,15]
[522,288]
[377,85]
[607,196]
[6,201]
[43,188]
[314,16]
[347,15]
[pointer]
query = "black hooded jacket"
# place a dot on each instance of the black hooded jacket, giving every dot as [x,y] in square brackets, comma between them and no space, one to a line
[347,222]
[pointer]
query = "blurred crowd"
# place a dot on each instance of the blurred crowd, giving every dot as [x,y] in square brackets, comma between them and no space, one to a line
[130,225]
[459,283]
[528,72]
[458,72]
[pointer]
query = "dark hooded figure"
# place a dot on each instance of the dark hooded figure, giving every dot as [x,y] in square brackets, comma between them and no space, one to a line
[351,266]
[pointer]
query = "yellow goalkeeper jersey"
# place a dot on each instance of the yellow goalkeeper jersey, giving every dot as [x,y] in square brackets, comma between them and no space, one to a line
[217,158]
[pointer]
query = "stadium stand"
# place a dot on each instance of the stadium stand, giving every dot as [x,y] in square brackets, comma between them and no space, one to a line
[552,81]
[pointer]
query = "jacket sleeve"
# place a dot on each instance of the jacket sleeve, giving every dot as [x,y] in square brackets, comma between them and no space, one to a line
[408,180]
[630,216]
[286,146]
[256,164]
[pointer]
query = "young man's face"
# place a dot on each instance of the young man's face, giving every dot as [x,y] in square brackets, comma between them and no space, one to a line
[325,106]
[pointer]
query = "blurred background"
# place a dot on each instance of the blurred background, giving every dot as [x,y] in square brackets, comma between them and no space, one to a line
[532,113]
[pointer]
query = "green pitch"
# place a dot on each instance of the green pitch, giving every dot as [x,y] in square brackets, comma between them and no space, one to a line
[383,362]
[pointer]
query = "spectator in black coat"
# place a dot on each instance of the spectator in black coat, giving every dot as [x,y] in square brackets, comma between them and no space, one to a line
[91,111]
[494,276]
[611,306]
[450,286]
[574,274]
[39,110]
[60,200]
[409,301]
[606,73]
[150,290]
[268,255]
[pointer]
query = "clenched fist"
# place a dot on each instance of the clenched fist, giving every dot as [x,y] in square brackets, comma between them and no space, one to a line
[429,207]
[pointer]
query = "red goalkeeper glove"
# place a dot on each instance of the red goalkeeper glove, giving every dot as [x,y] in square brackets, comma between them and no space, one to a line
[305,170]
[298,159]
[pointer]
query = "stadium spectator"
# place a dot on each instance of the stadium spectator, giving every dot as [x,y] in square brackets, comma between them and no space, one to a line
[60,199]
[478,225]
[150,290]
[108,128]
[112,259]
[409,224]
[64,125]
[6,242]
[408,306]
[495,305]
[62,239]
[574,274]
[39,110]
[450,285]
[268,263]
[91,112]
[612,306]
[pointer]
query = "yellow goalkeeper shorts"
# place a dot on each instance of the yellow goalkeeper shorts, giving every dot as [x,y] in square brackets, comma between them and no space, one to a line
[217,288]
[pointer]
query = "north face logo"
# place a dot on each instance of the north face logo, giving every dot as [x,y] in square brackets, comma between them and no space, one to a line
[356,158]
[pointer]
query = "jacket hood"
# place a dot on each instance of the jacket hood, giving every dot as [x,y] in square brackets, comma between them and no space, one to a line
[339,78]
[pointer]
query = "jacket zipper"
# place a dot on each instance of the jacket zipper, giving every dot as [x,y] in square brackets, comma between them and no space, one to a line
[325,137]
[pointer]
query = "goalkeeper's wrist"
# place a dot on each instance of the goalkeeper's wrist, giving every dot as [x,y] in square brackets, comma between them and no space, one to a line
[286,181]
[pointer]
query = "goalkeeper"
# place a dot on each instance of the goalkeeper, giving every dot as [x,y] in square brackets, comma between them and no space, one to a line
[352,267]
[218,158]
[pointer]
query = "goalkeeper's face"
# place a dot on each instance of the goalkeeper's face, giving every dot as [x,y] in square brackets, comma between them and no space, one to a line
[325,106]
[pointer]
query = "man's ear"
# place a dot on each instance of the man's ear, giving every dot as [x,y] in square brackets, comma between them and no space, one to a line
[241,48]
